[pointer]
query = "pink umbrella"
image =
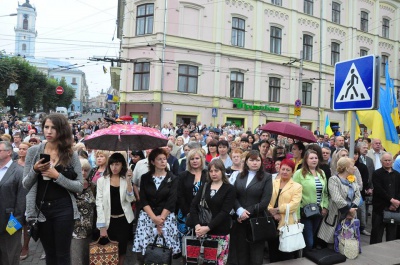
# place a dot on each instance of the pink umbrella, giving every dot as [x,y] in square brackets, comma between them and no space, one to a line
[122,137]
[290,130]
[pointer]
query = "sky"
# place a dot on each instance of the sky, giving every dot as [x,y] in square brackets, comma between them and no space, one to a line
[71,31]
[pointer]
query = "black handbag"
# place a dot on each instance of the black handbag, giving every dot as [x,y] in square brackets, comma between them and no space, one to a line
[391,217]
[205,214]
[310,210]
[261,228]
[158,254]
[33,225]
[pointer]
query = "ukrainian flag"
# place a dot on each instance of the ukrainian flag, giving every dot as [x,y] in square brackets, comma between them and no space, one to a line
[382,122]
[328,129]
[13,225]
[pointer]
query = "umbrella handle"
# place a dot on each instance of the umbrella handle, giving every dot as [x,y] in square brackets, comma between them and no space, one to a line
[119,135]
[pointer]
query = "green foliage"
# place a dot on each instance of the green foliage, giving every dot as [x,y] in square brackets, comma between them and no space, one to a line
[35,90]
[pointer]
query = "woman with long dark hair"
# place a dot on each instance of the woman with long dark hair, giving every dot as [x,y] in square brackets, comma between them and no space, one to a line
[315,191]
[253,192]
[113,203]
[220,197]
[52,186]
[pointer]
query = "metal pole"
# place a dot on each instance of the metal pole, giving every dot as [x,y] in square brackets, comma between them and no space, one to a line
[352,133]
[320,65]
[300,83]
[163,62]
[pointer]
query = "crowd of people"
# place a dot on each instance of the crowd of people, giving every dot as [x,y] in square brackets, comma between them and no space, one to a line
[79,195]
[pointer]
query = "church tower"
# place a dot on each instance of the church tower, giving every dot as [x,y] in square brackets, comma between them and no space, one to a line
[25,31]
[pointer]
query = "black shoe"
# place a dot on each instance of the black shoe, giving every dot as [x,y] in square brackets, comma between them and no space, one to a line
[177,255]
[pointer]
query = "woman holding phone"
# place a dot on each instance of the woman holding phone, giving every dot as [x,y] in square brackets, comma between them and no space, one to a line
[52,180]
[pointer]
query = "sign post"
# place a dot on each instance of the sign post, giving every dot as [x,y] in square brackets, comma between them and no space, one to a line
[356,88]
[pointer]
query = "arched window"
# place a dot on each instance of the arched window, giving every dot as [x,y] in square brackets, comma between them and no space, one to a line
[24,47]
[25,24]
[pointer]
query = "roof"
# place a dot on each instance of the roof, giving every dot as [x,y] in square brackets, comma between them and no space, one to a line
[26,4]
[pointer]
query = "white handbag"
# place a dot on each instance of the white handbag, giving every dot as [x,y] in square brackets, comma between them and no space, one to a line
[291,236]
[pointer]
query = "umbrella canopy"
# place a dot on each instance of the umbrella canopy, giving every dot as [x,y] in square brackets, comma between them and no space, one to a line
[122,137]
[290,130]
[125,118]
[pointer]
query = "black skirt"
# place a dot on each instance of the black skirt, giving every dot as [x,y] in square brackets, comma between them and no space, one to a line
[119,230]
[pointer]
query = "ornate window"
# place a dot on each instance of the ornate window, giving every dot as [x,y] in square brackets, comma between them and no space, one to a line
[144,19]
[188,78]
[141,76]
[237,84]
[238,31]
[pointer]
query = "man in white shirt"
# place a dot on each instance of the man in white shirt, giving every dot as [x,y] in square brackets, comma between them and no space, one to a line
[376,152]
[186,136]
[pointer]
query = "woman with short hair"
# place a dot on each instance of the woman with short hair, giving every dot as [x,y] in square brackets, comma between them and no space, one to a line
[344,198]
[158,194]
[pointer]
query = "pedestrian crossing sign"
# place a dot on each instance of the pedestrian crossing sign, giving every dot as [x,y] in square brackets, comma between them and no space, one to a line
[354,86]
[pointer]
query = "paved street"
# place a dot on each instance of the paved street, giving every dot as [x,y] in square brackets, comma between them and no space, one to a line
[36,249]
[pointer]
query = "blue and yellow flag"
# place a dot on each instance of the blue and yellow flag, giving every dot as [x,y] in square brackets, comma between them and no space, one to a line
[13,225]
[327,128]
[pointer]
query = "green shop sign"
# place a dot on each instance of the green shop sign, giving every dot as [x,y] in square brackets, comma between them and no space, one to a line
[239,104]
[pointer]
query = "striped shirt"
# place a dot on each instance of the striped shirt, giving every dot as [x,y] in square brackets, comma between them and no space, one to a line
[318,187]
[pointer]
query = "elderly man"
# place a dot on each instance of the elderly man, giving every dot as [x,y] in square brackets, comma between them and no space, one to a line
[386,197]
[12,201]
[375,153]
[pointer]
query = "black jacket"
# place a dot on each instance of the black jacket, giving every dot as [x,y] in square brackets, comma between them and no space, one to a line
[257,193]
[185,189]
[163,198]
[220,205]
[386,187]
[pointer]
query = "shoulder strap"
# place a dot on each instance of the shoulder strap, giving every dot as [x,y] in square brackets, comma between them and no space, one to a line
[42,200]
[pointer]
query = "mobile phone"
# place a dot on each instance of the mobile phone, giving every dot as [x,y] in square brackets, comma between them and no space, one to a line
[46,158]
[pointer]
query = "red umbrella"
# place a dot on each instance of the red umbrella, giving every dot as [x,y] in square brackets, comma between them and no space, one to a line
[126,118]
[290,130]
[122,137]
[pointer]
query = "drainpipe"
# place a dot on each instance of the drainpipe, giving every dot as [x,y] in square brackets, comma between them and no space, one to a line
[163,62]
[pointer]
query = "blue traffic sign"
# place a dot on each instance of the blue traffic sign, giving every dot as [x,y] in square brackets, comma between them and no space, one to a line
[214,112]
[354,87]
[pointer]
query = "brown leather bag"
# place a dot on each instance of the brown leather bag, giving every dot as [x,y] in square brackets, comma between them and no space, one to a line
[103,254]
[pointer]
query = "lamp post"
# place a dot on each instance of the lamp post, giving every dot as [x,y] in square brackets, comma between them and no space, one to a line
[9,15]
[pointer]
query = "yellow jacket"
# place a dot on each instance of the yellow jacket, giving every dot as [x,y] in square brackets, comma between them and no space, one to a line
[290,194]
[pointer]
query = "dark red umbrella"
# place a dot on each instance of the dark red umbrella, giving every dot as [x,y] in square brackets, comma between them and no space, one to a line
[125,118]
[290,130]
[123,137]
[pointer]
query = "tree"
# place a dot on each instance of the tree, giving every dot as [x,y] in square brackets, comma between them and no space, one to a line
[35,90]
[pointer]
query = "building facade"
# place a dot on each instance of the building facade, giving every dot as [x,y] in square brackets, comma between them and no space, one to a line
[247,61]
[25,31]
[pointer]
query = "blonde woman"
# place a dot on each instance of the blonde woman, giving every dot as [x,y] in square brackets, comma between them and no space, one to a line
[344,198]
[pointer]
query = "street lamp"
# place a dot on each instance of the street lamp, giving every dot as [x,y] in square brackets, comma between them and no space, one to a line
[9,15]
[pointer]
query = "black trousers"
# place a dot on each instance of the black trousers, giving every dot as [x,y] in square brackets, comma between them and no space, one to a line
[378,228]
[56,233]
[246,253]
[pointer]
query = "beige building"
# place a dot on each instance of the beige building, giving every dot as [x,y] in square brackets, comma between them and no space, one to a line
[246,61]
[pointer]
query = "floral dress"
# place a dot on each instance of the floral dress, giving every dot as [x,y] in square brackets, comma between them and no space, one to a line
[146,230]
[86,204]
